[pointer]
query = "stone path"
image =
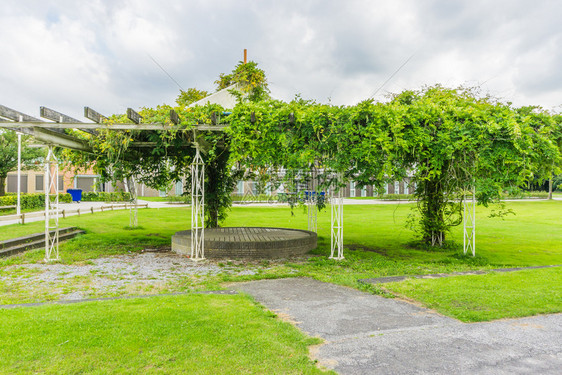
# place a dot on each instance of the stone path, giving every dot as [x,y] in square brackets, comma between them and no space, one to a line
[368,334]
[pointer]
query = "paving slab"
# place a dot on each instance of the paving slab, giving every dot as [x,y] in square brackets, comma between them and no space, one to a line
[369,334]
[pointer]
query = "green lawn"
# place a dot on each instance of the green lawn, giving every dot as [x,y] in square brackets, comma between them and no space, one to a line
[230,334]
[193,334]
[488,297]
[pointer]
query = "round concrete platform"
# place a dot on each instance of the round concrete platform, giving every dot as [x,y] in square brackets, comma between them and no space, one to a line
[249,242]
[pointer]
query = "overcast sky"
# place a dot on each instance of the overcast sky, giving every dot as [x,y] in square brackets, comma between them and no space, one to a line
[69,54]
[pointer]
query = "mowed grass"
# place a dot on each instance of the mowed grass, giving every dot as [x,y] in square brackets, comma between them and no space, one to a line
[192,334]
[488,297]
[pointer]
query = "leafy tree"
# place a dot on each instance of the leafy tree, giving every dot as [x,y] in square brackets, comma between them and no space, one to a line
[252,81]
[192,95]
[117,157]
[30,157]
[449,140]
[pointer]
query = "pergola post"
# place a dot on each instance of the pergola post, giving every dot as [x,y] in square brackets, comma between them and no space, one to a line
[51,182]
[133,210]
[469,222]
[312,209]
[336,204]
[197,206]
[18,207]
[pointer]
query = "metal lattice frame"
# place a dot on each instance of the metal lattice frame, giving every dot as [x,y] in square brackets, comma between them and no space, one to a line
[133,211]
[312,209]
[469,222]
[197,207]
[51,182]
[337,220]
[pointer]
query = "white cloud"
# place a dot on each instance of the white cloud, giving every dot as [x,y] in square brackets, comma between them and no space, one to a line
[67,54]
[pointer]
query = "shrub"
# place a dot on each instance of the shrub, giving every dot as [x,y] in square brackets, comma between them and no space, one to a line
[31,201]
[102,196]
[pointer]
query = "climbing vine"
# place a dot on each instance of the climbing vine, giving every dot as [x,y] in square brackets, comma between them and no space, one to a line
[445,141]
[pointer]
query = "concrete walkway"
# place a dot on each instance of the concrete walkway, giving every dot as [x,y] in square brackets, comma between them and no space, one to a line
[86,206]
[368,334]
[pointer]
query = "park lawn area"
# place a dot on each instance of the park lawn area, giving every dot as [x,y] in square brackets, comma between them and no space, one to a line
[492,296]
[186,334]
[376,244]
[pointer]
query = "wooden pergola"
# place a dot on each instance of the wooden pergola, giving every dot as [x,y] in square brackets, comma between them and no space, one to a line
[52,134]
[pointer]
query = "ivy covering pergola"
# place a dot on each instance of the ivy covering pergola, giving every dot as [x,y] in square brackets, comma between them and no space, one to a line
[456,147]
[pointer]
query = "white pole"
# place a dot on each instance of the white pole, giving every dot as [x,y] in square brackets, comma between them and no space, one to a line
[18,208]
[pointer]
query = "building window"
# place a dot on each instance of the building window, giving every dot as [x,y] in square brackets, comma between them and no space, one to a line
[13,183]
[39,182]
[352,189]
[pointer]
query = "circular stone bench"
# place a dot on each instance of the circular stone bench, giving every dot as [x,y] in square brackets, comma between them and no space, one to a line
[248,242]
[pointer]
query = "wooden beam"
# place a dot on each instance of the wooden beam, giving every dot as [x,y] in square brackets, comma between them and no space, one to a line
[174,117]
[133,116]
[63,140]
[14,115]
[96,117]
[51,114]
[83,125]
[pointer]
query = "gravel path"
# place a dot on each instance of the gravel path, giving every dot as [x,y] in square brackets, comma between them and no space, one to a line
[144,273]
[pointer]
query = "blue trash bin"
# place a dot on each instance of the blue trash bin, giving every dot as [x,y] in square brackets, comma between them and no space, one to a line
[76,194]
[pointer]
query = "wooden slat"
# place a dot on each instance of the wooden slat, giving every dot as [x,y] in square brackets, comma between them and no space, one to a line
[51,114]
[133,116]
[96,117]
[15,115]
[82,125]
[174,117]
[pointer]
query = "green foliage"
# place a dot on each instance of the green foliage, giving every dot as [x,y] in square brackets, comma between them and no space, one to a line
[31,201]
[101,196]
[192,95]
[447,140]
[250,79]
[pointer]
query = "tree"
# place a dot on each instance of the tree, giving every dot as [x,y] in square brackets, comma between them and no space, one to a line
[9,156]
[448,140]
[168,159]
[457,141]
[190,96]
[252,82]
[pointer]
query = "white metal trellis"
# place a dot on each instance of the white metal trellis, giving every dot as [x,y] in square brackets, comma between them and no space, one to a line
[133,210]
[312,211]
[197,206]
[18,207]
[337,220]
[51,182]
[469,222]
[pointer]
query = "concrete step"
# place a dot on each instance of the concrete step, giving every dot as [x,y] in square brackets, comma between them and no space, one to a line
[31,238]
[34,241]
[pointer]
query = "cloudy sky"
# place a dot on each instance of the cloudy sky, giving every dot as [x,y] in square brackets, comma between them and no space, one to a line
[101,53]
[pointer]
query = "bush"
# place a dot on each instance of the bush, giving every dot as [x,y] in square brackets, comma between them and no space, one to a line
[31,201]
[101,196]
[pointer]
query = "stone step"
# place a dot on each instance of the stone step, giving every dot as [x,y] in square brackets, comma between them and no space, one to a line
[34,241]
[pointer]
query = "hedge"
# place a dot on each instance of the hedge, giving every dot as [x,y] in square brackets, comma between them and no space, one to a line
[101,196]
[31,201]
